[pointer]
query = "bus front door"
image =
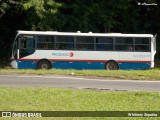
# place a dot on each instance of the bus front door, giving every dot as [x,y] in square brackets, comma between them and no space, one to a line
[26,51]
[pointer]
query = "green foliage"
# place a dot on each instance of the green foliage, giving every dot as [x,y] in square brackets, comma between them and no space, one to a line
[122,16]
[11,19]
[106,12]
[75,15]
[41,14]
[7,5]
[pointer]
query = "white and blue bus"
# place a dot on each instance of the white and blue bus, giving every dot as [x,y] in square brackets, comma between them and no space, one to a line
[65,50]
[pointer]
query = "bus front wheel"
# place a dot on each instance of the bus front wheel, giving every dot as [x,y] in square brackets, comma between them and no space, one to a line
[111,65]
[44,64]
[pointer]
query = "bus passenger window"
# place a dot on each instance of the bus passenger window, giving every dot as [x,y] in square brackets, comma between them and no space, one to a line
[129,48]
[85,43]
[104,43]
[142,44]
[65,42]
[45,42]
[124,43]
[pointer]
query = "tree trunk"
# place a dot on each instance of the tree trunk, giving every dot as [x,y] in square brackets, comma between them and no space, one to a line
[107,29]
[2,14]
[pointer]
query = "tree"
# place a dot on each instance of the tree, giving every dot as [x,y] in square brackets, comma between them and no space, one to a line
[5,5]
[124,16]
[106,12]
[91,15]
[11,19]
[41,14]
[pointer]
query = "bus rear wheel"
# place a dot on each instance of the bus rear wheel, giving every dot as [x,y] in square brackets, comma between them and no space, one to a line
[111,65]
[44,64]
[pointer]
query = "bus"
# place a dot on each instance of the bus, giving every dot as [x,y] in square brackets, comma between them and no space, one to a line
[69,50]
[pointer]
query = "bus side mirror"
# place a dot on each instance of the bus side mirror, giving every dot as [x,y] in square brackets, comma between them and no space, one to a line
[155,35]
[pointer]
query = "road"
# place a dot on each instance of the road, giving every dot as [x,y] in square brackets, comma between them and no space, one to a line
[77,82]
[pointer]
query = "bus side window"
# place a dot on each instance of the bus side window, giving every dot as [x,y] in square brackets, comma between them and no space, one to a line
[104,43]
[129,48]
[84,43]
[142,44]
[45,42]
[65,42]
[124,43]
[45,46]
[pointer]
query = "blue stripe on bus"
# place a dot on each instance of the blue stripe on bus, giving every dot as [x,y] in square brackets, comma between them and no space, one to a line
[134,65]
[78,65]
[29,64]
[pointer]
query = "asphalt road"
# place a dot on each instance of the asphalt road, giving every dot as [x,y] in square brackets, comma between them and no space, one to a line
[77,82]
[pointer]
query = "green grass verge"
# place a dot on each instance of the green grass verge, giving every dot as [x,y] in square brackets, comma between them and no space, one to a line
[52,99]
[152,74]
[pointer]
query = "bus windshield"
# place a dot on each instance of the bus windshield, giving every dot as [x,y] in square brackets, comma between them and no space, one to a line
[24,45]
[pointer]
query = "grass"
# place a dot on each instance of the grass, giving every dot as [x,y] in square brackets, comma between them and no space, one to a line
[152,74]
[52,99]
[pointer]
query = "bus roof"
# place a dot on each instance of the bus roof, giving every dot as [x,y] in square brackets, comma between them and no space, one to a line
[78,33]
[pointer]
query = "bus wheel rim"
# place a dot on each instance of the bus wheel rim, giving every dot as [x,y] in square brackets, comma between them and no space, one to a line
[44,66]
[111,66]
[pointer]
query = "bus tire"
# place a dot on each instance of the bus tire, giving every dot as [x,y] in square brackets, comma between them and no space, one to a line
[44,64]
[111,65]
